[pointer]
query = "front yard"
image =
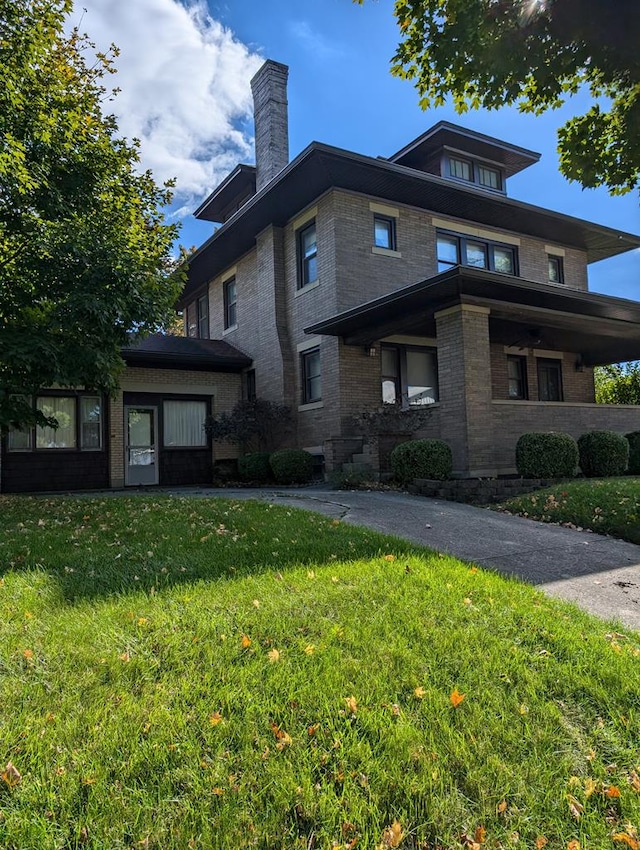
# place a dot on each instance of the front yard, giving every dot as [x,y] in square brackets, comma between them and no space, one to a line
[194,673]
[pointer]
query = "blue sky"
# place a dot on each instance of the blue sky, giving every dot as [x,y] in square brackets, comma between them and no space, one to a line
[185,70]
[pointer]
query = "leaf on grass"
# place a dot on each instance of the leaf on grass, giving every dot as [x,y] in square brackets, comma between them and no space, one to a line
[283,738]
[351,703]
[541,841]
[125,657]
[391,558]
[245,642]
[480,835]
[575,807]
[573,845]
[456,698]
[309,649]
[523,709]
[501,808]
[590,786]
[256,603]
[11,776]
[419,692]
[392,835]
[28,654]
[273,655]
[634,779]
[215,718]
[311,730]
[629,840]
[612,791]
[218,792]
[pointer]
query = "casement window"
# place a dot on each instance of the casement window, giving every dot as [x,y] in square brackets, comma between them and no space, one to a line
[459,250]
[192,320]
[550,380]
[183,424]
[517,376]
[461,169]
[230,306]
[249,385]
[79,425]
[409,375]
[203,317]
[471,171]
[490,178]
[307,255]
[556,269]
[310,375]
[384,232]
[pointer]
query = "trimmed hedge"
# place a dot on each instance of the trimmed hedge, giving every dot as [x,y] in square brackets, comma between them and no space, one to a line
[292,466]
[421,459]
[551,455]
[255,467]
[634,452]
[603,454]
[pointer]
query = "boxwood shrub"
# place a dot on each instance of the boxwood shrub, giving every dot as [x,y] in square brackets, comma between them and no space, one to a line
[634,452]
[291,466]
[603,453]
[551,455]
[421,459]
[255,467]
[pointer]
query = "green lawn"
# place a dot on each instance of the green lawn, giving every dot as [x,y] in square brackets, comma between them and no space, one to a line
[186,673]
[606,505]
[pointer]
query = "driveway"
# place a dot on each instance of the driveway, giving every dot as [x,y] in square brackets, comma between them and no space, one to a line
[600,574]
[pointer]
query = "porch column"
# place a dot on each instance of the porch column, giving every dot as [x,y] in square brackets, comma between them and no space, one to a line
[116,440]
[464,375]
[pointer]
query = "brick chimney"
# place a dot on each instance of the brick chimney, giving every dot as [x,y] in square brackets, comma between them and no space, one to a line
[269,88]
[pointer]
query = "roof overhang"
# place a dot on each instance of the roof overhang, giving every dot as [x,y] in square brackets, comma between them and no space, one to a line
[241,183]
[162,351]
[600,328]
[321,167]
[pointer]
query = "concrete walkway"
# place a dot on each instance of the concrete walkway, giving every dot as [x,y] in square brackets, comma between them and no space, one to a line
[600,574]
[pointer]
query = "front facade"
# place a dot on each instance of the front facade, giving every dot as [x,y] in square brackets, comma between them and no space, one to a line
[342,285]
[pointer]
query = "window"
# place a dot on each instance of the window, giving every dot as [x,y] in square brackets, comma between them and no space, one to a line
[455,250]
[183,424]
[489,177]
[556,271]
[192,320]
[517,375]
[229,297]
[203,317]
[90,423]
[460,169]
[250,385]
[384,232]
[550,380]
[79,425]
[310,367]
[307,255]
[19,441]
[409,375]
[64,436]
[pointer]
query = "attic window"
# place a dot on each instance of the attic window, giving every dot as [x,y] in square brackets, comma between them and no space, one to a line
[471,171]
[489,177]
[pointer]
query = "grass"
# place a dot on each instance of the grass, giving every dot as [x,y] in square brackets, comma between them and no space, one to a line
[184,674]
[606,505]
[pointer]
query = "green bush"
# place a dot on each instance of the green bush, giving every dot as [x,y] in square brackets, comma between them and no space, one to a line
[551,455]
[421,459]
[634,452]
[603,454]
[292,466]
[255,467]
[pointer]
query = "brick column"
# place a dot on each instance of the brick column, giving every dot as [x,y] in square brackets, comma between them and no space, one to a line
[464,375]
[116,441]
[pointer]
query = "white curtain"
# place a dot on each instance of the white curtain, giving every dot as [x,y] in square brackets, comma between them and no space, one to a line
[183,421]
[64,436]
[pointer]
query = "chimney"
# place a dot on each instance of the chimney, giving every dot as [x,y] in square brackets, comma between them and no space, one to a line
[269,88]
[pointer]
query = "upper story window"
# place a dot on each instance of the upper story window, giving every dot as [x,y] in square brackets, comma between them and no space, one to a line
[384,232]
[556,270]
[203,317]
[230,306]
[475,172]
[307,255]
[460,250]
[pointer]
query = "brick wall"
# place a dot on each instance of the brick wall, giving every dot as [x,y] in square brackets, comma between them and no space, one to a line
[577,386]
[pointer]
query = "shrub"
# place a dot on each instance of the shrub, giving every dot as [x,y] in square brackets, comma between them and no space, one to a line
[421,459]
[292,466]
[257,425]
[552,455]
[603,453]
[255,467]
[634,452]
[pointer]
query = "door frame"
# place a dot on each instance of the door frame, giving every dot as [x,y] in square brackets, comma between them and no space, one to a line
[154,409]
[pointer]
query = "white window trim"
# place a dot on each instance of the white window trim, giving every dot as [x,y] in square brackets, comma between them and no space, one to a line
[385,252]
[312,342]
[305,218]
[457,227]
[230,329]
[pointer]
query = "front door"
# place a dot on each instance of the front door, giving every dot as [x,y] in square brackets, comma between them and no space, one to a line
[141,455]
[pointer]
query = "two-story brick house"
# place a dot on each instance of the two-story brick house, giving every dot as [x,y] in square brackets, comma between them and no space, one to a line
[337,282]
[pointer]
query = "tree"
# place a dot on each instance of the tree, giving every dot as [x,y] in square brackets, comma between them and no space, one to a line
[618,383]
[84,250]
[535,53]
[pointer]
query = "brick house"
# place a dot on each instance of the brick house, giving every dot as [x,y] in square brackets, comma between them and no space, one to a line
[337,282]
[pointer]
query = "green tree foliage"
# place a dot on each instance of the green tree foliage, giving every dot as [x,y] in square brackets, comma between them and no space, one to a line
[84,250]
[535,53]
[256,426]
[618,383]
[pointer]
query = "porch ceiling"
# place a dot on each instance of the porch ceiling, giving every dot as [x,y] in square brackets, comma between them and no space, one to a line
[600,328]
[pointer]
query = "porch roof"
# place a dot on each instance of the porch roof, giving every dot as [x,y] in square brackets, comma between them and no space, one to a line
[601,328]
[164,351]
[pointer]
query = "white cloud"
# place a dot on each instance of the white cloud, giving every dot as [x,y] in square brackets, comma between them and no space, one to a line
[184,82]
[314,42]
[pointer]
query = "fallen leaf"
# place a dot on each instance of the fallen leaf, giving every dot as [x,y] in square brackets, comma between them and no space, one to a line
[125,657]
[575,807]
[573,845]
[419,692]
[479,835]
[352,704]
[624,838]
[391,558]
[612,791]
[541,842]
[11,776]
[309,649]
[273,655]
[473,570]
[215,718]
[392,835]
[634,779]
[283,738]
[590,786]
[256,603]
[456,698]
[245,642]
[311,730]
[501,808]
[523,709]
[218,792]
[27,653]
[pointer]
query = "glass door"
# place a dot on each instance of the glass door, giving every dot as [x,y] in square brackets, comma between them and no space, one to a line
[141,466]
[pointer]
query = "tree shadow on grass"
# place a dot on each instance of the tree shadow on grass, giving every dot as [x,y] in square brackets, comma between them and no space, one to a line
[100,547]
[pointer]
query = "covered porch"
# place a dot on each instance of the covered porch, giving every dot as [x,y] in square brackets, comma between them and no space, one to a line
[512,356]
